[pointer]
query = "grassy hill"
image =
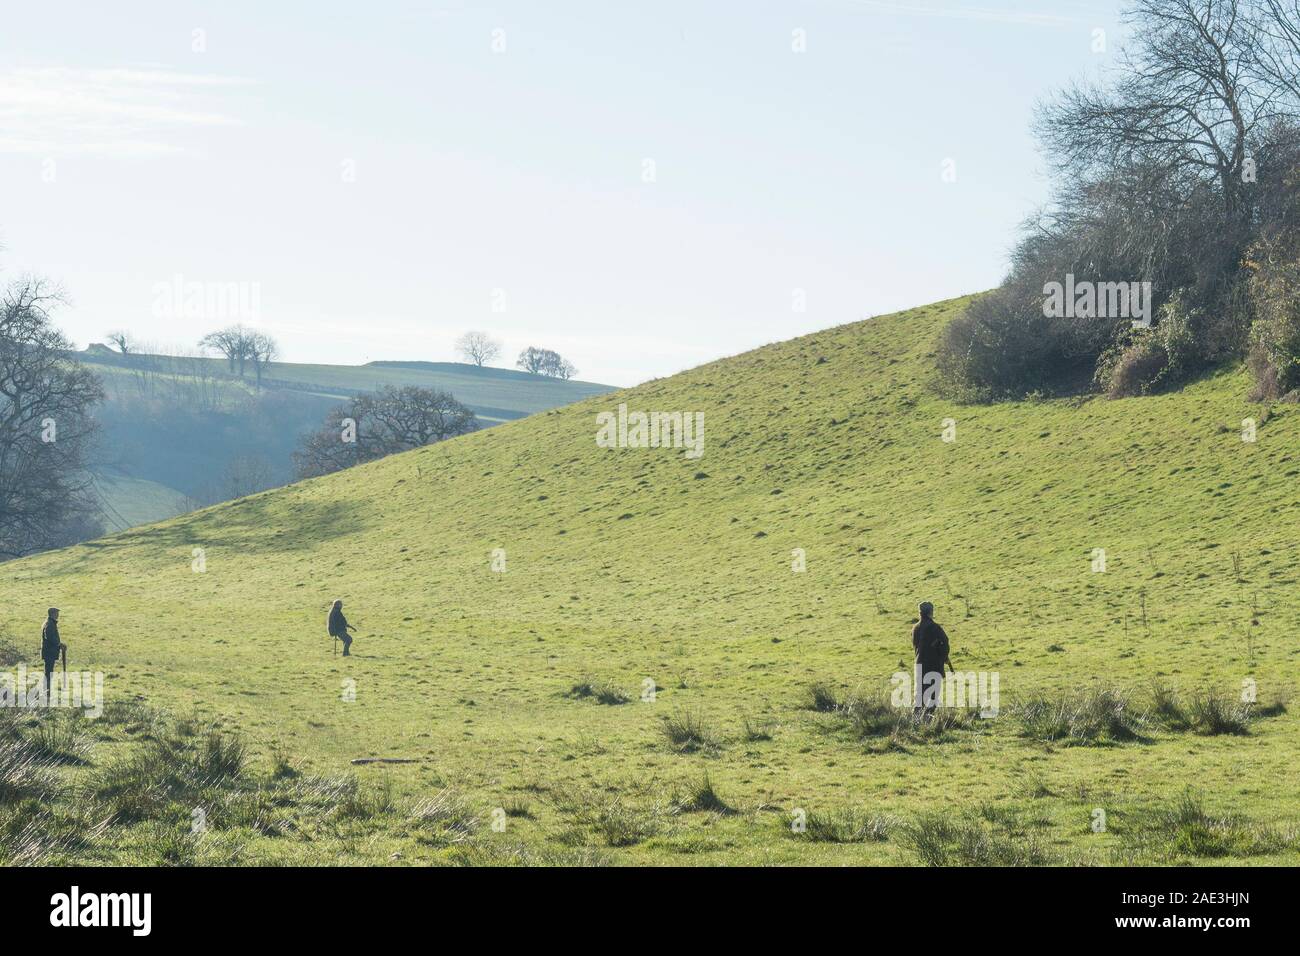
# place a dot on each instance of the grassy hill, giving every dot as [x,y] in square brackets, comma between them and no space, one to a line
[628,566]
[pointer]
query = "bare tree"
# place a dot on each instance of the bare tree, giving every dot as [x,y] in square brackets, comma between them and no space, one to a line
[376,424]
[235,342]
[46,398]
[478,347]
[1183,103]
[122,339]
[1279,46]
[263,350]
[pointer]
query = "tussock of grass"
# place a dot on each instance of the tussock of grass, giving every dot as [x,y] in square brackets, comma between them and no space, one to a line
[1209,713]
[703,797]
[367,804]
[1212,714]
[822,697]
[24,773]
[1167,709]
[1034,785]
[1096,715]
[614,820]
[179,766]
[44,833]
[1185,829]
[444,819]
[9,653]
[984,836]
[282,767]
[603,692]
[687,732]
[621,824]
[757,731]
[499,853]
[181,793]
[61,737]
[517,807]
[875,716]
[132,716]
[844,826]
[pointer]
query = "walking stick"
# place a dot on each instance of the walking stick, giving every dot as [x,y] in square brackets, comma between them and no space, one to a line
[63,653]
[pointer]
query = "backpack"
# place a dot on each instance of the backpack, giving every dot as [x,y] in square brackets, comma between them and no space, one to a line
[49,642]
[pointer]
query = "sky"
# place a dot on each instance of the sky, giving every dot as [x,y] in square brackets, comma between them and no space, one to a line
[642,187]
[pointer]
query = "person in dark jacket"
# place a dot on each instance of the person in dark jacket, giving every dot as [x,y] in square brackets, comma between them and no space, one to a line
[51,646]
[930,645]
[339,627]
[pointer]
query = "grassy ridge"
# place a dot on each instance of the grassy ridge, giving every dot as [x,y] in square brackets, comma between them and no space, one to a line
[628,566]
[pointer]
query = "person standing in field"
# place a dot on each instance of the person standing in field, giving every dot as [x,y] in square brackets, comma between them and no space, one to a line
[930,645]
[338,627]
[51,646]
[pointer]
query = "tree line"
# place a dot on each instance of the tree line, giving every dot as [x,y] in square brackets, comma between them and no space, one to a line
[1181,171]
[479,348]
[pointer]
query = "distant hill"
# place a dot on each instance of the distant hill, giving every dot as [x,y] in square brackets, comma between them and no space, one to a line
[180,430]
[492,393]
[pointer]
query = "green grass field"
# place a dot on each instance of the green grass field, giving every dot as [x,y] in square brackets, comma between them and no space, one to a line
[630,568]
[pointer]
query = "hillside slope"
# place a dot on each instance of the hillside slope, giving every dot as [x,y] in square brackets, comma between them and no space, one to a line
[628,565]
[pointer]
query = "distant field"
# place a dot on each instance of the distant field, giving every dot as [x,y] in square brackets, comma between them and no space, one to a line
[650,679]
[134,501]
[495,393]
[162,449]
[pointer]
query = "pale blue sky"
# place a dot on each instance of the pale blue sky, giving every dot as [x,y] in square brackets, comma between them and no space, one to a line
[128,158]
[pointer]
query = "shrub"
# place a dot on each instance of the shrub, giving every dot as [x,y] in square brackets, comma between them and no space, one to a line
[1134,369]
[1275,332]
[1002,346]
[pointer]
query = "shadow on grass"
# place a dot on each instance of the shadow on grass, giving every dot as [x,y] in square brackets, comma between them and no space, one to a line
[250,525]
